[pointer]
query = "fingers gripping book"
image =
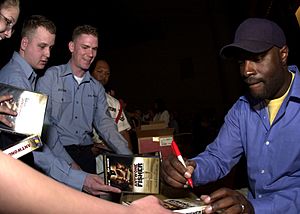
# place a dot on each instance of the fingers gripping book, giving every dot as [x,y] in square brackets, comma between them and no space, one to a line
[30,106]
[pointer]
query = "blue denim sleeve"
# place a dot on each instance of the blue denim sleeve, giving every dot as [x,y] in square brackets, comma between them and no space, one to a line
[286,201]
[58,168]
[106,127]
[222,154]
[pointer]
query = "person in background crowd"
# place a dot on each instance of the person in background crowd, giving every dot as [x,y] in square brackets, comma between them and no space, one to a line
[77,104]
[147,116]
[161,113]
[263,125]
[101,72]
[174,122]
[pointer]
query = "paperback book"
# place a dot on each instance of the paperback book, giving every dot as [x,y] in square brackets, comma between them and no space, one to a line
[30,106]
[132,173]
[24,146]
[179,205]
[184,205]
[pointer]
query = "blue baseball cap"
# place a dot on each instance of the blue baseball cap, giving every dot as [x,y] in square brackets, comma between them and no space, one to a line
[255,35]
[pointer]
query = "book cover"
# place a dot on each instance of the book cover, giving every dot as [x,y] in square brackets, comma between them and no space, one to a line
[184,205]
[24,146]
[30,106]
[178,205]
[132,173]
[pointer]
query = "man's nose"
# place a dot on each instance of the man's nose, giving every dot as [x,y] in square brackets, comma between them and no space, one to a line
[47,52]
[247,68]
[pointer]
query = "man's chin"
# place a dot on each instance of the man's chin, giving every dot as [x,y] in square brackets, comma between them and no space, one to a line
[257,95]
[40,67]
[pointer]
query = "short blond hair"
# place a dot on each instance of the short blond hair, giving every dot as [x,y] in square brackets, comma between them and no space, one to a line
[36,21]
[84,29]
[9,3]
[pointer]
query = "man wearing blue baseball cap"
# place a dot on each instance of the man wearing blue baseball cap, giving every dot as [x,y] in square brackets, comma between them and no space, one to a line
[263,125]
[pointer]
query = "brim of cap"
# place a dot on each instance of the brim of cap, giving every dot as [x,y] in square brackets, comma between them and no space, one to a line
[233,50]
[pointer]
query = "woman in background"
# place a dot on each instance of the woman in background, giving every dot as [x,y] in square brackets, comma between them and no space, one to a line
[9,14]
[161,114]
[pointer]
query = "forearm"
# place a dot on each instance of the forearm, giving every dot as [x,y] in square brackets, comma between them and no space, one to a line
[19,181]
[106,127]
[113,139]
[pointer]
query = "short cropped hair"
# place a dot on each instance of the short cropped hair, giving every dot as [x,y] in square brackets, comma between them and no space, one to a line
[35,21]
[84,29]
[9,3]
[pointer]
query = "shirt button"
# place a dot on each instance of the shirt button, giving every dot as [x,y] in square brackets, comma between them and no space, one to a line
[76,102]
[75,117]
[267,143]
[260,196]
[262,171]
[76,132]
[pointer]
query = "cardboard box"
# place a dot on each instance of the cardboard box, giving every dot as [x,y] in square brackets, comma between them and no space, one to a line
[155,140]
[154,125]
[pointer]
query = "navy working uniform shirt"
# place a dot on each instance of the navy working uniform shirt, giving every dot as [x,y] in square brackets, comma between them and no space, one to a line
[272,151]
[74,109]
[19,73]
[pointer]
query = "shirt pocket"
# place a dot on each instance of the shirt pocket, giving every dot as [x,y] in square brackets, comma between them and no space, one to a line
[61,101]
[89,106]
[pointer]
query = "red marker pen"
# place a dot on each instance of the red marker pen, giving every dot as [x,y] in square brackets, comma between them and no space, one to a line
[179,157]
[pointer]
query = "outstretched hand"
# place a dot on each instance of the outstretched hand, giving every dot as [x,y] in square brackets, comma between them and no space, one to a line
[174,173]
[148,204]
[228,201]
[95,185]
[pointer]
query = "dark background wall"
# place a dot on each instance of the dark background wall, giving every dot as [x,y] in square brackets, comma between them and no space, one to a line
[166,48]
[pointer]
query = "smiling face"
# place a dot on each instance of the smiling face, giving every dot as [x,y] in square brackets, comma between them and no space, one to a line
[266,73]
[84,50]
[35,48]
[8,18]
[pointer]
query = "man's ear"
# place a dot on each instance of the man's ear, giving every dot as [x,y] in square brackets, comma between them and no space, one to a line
[24,43]
[284,53]
[71,46]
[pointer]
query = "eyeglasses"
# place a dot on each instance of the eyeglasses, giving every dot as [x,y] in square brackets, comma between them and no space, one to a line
[9,23]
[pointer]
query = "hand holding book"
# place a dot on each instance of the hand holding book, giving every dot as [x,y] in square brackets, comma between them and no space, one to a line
[30,107]
[4,110]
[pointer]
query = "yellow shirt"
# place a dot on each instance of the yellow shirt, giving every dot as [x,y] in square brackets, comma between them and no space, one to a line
[274,105]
